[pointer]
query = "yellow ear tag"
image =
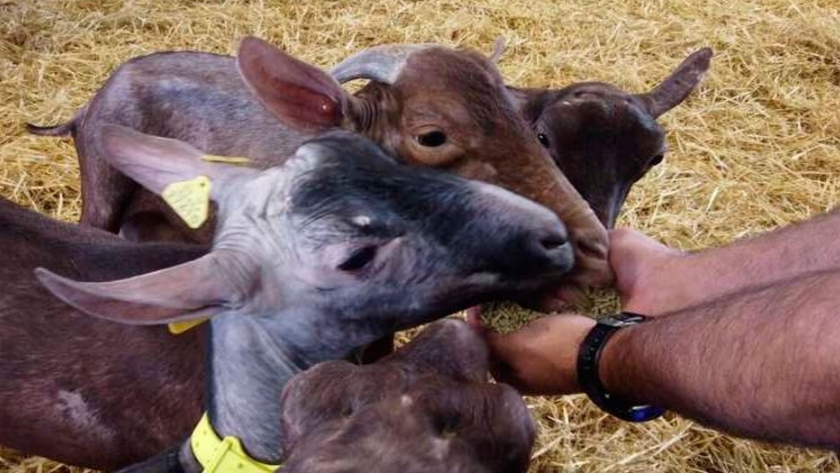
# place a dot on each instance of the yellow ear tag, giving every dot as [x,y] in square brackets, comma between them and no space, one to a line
[177,328]
[190,200]
[225,159]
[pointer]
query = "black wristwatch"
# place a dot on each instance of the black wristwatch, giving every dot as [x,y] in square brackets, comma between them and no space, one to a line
[587,368]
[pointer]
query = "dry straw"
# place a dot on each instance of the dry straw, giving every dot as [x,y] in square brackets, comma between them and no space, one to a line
[756,147]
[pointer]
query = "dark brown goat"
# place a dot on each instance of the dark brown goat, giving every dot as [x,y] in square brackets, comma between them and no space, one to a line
[605,139]
[427,104]
[426,408]
[310,260]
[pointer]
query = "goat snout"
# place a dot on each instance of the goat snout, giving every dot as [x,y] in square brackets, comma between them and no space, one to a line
[533,240]
[554,238]
[543,248]
[550,245]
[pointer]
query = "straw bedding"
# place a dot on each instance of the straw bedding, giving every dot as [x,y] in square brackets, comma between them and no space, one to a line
[756,147]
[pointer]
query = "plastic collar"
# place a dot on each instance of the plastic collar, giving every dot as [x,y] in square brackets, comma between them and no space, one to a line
[226,455]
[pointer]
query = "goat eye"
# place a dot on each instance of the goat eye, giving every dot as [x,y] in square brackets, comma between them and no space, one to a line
[432,139]
[543,139]
[656,160]
[359,259]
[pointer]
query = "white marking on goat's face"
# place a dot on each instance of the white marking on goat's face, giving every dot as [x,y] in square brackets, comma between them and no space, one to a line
[76,411]
[406,401]
[361,221]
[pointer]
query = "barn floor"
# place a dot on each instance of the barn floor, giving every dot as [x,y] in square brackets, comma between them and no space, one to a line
[758,146]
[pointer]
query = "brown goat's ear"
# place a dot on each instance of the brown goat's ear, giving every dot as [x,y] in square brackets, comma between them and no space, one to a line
[676,87]
[194,290]
[156,162]
[529,102]
[299,94]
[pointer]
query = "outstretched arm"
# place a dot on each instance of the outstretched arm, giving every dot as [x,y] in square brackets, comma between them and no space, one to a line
[655,279]
[763,364]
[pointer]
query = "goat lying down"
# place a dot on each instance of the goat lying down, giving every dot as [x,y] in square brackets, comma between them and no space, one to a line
[336,248]
[426,408]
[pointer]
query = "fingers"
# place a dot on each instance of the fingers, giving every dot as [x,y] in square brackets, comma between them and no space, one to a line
[541,357]
[645,270]
[504,352]
[625,242]
[474,317]
[499,349]
[507,360]
[523,359]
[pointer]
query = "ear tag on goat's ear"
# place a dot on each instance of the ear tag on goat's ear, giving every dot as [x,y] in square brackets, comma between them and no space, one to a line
[177,328]
[190,200]
[225,159]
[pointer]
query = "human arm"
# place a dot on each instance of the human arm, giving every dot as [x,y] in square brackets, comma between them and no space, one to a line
[762,364]
[655,279]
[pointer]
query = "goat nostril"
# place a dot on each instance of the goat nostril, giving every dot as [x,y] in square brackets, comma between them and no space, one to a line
[552,242]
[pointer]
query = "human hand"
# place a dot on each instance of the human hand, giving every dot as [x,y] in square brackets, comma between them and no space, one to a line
[644,271]
[540,358]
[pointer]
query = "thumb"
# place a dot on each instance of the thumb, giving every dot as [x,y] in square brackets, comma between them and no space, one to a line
[501,352]
[503,356]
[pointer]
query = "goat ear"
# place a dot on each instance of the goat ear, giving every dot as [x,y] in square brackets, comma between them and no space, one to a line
[156,162]
[529,102]
[194,290]
[299,94]
[676,87]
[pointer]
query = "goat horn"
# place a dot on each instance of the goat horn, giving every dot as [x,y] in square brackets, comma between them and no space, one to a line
[379,63]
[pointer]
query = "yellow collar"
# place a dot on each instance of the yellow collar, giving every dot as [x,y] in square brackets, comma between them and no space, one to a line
[222,455]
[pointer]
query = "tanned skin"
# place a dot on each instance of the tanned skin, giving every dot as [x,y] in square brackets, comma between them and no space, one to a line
[744,338]
[761,364]
[657,279]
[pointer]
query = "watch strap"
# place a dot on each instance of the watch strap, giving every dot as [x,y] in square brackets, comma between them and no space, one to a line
[588,364]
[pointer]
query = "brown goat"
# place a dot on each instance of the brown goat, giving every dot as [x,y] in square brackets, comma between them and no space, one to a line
[605,139]
[426,408]
[427,104]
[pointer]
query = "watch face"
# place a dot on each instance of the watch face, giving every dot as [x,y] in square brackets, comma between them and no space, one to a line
[643,413]
[622,320]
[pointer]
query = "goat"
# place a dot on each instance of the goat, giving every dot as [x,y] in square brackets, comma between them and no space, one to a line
[310,260]
[605,139]
[427,104]
[425,408]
